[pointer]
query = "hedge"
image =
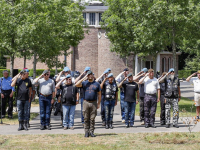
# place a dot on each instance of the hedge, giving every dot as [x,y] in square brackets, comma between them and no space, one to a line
[185,73]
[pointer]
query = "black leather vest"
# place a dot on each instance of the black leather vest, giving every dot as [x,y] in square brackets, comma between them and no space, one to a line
[110,91]
[171,87]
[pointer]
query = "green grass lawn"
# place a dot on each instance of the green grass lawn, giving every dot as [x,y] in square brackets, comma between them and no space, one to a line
[126,141]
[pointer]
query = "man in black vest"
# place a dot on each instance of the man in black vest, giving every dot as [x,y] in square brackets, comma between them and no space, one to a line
[172,97]
[162,99]
[110,99]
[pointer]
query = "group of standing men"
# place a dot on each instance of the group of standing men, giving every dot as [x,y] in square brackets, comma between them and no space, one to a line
[95,92]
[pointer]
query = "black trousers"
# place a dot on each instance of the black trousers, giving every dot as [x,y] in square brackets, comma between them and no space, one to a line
[162,106]
[142,108]
[5,100]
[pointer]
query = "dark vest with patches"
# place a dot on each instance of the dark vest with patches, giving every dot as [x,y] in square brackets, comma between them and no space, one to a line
[171,87]
[64,92]
[110,91]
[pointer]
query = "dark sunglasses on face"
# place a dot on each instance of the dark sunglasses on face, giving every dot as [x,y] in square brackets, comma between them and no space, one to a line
[46,74]
[172,71]
[68,79]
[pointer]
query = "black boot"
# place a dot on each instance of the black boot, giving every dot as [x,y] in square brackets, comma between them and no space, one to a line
[25,125]
[92,134]
[86,134]
[20,126]
[29,125]
[107,125]
[111,127]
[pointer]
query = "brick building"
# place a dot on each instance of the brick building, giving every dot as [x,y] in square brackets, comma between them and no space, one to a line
[94,50]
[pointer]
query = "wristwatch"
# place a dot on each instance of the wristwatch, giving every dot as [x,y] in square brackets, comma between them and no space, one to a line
[77,100]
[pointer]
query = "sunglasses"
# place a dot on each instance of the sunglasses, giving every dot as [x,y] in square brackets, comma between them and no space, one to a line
[46,74]
[68,79]
[172,71]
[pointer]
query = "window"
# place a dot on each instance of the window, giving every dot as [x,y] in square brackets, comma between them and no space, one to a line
[163,64]
[100,15]
[84,16]
[92,18]
[149,64]
[169,63]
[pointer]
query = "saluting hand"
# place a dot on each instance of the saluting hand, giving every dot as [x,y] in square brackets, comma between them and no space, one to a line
[2,96]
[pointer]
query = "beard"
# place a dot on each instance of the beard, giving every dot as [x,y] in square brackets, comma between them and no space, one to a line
[172,77]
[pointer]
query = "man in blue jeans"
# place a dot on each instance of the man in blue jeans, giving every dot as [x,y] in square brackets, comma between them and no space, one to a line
[110,99]
[46,98]
[24,91]
[120,78]
[130,89]
[69,99]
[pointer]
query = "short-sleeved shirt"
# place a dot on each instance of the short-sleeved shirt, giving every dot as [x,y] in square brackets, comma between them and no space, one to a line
[90,90]
[23,89]
[151,85]
[47,87]
[196,82]
[68,94]
[130,88]
[141,88]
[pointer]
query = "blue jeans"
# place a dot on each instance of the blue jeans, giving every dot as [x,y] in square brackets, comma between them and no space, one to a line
[82,118]
[102,108]
[22,110]
[109,109]
[122,105]
[129,112]
[68,115]
[45,107]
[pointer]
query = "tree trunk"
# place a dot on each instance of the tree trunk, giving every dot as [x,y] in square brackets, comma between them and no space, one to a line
[174,52]
[11,65]
[133,64]
[56,70]
[34,65]
[154,64]
[25,61]
[65,59]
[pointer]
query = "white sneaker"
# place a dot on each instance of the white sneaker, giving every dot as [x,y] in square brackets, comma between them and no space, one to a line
[123,121]
[142,123]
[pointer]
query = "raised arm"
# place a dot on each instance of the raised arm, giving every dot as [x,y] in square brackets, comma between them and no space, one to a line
[17,76]
[59,83]
[36,80]
[161,79]
[78,78]
[120,84]
[79,83]
[15,80]
[58,77]
[135,78]
[103,83]
[142,80]
[97,80]
[188,79]
[119,75]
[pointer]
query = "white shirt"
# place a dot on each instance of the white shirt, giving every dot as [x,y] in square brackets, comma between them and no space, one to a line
[196,82]
[151,85]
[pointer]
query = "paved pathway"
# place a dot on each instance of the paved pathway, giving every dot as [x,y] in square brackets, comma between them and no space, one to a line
[118,125]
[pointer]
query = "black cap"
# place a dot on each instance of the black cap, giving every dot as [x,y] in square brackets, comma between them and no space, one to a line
[126,69]
[45,71]
[130,74]
[89,72]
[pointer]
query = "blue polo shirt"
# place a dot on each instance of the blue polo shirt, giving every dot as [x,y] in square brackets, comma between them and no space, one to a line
[90,90]
[6,84]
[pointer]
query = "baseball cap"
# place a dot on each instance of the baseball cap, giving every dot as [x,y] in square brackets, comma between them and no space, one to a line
[106,71]
[66,69]
[68,76]
[26,70]
[87,68]
[5,71]
[145,70]
[110,75]
[22,71]
[130,74]
[172,69]
[150,70]
[89,72]
[126,69]
[45,71]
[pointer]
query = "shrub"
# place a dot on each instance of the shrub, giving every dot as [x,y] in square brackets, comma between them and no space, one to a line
[185,73]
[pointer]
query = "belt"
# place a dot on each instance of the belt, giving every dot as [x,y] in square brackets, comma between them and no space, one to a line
[89,101]
[45,95]
[151,94]
[197,92]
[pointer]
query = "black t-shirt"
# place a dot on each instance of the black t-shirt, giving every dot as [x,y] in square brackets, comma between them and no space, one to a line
[129,91]
[141,89]
[23,89]
[68,94]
